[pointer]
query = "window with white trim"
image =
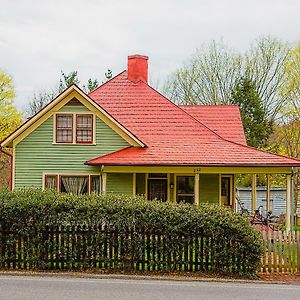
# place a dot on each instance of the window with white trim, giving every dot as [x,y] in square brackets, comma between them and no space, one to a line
[74,128]
[84,128]
[64,128]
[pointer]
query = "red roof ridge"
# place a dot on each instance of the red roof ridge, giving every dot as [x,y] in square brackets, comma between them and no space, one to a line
[106,82]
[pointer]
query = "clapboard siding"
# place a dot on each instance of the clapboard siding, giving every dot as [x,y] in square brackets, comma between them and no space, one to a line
[277,201]
[209,188]
[37,153]
[119,183]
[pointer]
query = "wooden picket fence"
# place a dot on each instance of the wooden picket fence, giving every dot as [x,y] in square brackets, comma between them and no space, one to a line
[281,252]
[107,248]
[103,247]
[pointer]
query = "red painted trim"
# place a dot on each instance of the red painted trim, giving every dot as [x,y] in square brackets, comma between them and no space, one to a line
[50,175]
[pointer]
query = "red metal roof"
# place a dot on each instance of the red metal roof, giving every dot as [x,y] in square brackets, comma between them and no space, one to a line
[225,120]
[172,136]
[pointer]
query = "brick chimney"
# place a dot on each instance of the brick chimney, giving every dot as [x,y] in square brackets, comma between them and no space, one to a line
[138,68]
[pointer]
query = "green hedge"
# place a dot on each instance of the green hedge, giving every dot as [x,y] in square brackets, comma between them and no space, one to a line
[232,245]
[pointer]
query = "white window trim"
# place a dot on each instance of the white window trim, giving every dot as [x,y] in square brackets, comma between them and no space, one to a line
[74,114]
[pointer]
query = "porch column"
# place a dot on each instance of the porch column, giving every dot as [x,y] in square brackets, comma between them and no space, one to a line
[268,194]
[288,203]
[104,182]
[253,194]
[134,183]
[196,189]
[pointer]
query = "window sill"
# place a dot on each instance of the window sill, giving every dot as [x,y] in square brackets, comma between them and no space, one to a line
[79,144]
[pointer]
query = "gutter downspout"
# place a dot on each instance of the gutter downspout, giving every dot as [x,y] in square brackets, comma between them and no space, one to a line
[11,166]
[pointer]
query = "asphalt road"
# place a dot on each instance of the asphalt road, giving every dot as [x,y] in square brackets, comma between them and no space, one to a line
[46,288]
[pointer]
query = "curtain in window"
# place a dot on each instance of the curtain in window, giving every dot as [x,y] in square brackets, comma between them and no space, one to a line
[75,185]
[50,182]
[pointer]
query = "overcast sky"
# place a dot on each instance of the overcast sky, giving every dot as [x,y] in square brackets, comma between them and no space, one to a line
[40,38]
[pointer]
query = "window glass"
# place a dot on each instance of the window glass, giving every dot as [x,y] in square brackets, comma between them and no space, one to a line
[51,182]
[76,185]
[64,128]
[84,129]
[96,184]
[185,189]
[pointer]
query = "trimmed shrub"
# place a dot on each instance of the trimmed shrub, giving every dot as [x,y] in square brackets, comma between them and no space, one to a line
[219,240]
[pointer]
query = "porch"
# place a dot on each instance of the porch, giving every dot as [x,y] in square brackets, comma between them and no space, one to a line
[194,185]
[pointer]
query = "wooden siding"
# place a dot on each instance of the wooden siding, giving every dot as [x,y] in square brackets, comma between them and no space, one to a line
[119,183]
[74,108]
[37,154]
[140,184]
[209,188]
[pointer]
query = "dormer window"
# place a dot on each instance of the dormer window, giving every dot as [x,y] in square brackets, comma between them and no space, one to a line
[72,128]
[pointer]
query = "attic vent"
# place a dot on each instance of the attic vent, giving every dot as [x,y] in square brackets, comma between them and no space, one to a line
[74,102]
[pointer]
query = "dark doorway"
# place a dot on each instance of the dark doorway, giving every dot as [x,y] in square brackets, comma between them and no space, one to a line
[157,189]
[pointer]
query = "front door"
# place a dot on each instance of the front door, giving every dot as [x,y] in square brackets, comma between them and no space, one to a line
[157,189]
[226,190]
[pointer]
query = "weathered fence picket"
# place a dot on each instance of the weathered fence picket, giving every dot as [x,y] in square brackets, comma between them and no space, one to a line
[281,252]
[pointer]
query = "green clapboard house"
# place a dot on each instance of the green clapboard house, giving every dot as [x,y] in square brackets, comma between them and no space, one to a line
[125,137]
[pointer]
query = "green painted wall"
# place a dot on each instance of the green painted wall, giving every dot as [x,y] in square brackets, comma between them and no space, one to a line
[37,153]
[140,184]
[119,183]
[74,108]
[209,188]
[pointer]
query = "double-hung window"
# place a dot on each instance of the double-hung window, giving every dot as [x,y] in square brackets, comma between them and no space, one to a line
[84,128]
[74,128]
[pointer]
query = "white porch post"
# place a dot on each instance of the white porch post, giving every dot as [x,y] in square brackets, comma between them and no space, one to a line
[253,194]
[288,203]
[268,194]
[196,189]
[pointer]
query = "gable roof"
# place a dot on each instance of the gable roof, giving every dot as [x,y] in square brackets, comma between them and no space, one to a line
[173,137]
[225,120]
[105,116]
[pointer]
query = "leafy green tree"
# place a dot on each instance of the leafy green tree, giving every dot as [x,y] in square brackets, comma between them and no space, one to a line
[10,119]
[67,80]
[256,125]
[108,74]
[291,87]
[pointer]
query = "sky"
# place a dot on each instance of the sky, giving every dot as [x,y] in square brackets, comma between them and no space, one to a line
[38,39]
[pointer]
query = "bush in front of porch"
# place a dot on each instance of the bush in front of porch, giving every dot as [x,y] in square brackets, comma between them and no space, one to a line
[50,230]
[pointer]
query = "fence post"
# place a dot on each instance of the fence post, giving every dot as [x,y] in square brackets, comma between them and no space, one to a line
[298,252]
